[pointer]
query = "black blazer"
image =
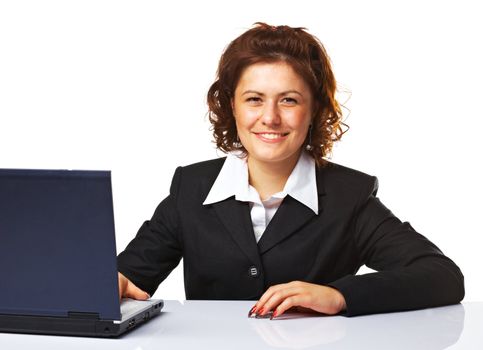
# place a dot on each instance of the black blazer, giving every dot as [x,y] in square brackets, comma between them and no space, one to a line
[222,259]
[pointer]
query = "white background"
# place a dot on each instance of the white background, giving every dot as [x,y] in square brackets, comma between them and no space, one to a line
[121,85]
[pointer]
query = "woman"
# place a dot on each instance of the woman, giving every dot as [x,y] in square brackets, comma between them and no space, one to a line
[274,220]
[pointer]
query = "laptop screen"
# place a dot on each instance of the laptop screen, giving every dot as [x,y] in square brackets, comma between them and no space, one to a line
[57,243]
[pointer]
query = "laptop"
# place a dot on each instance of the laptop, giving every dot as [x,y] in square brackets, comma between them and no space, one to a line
[58,256]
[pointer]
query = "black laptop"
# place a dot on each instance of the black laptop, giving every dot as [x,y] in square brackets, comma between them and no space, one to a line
[58,256]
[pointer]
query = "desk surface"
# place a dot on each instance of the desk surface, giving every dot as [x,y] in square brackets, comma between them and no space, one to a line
[224,325]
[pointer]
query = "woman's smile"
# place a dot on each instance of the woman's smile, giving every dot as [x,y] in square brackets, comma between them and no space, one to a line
[271,137]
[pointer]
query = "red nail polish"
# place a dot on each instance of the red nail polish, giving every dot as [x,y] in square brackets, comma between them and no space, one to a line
[273,315]
[261,311]
[252,310]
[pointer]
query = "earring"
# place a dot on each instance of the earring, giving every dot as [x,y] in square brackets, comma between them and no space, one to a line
[309,147]
[237,143]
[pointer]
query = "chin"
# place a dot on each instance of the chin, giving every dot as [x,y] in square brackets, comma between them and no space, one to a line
[272,157]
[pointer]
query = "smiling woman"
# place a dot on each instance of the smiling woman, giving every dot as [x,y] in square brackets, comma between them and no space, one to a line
[275,221]
[272,108]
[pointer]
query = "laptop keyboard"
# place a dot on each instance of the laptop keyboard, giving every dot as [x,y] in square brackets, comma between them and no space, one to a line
[129,306]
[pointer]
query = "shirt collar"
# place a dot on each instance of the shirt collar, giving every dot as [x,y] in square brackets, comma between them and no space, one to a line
[233,181]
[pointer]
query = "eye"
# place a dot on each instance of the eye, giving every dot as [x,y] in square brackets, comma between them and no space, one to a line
[253,100]
[289,100]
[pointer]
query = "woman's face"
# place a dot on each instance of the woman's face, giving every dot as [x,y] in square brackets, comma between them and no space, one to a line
[272,108]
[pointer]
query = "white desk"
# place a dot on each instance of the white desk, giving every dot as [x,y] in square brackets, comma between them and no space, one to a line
[224,325]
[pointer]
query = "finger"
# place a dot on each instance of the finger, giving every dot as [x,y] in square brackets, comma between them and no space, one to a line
[259,304]
[267,295]
[288,303]
[129,289]
[122,284]
[320,299]
[259,307]
[133,292]
[278,295]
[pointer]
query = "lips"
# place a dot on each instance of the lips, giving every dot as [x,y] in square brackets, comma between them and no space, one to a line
[271,136]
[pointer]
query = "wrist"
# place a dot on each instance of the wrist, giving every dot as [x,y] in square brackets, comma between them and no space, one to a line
[340,301]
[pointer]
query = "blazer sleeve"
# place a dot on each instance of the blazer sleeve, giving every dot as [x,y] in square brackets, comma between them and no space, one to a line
[157,249]
[412,272]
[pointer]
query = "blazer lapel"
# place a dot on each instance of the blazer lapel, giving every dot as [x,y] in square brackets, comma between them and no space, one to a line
[290,216]
[235,216]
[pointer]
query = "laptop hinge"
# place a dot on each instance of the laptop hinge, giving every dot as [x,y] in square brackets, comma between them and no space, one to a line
[84,315]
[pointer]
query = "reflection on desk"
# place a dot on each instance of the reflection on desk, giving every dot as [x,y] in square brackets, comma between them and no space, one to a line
[224,325]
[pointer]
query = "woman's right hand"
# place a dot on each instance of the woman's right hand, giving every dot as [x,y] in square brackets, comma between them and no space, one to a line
[127,289]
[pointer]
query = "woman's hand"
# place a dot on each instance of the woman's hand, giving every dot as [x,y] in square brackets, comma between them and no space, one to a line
[127,289]
[282,297]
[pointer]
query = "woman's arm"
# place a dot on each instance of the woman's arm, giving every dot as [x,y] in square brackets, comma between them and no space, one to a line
[156,250]
[412,272]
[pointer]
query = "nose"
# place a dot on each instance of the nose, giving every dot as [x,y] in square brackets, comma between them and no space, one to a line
[271,114]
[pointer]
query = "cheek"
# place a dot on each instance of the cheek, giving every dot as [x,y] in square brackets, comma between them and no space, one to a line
[298,120]
[246,119]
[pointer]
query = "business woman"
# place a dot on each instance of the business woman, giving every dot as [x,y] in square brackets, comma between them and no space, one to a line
[274,221]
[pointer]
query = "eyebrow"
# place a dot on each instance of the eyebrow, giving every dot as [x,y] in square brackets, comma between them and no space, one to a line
[262,94]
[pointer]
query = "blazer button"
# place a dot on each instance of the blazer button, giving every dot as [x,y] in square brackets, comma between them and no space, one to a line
[253,271]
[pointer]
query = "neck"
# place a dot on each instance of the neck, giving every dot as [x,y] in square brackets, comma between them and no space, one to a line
[270,177]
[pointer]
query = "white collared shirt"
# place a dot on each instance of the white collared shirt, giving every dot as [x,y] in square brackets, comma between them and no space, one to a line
[233,180]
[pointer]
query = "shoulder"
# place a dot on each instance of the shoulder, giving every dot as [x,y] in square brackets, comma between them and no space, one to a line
[335,177]
[205,168]
[200,175]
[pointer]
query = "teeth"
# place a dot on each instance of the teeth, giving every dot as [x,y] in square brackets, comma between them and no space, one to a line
[271,136]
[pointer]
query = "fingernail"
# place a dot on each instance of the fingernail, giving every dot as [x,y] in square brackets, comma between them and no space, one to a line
[273,315]
[261,311]
[251,311]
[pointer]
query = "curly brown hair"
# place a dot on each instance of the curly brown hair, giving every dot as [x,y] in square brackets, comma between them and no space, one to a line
[306,55]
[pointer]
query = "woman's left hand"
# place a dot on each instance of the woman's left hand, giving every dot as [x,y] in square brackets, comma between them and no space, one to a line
[282,297]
